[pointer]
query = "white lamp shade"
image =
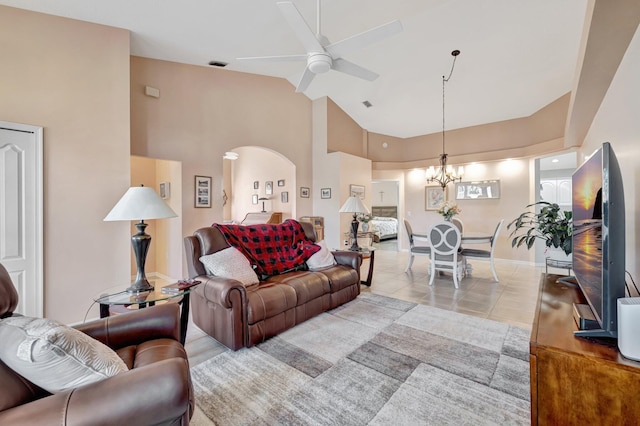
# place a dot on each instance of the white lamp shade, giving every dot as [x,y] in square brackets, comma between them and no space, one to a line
[353,205]
[140,203]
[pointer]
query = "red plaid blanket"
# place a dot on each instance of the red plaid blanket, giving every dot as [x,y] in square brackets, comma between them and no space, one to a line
[272,249]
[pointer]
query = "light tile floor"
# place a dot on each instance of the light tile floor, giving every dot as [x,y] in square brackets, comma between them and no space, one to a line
[512,300]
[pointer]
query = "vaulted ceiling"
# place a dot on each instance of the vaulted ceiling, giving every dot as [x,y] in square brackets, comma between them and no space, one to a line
[517,55]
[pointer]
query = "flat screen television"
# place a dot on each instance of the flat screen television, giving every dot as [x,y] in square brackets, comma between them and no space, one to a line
[599,242]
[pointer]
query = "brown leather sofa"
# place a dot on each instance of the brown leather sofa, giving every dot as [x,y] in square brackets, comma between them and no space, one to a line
[156,390]
[242,317]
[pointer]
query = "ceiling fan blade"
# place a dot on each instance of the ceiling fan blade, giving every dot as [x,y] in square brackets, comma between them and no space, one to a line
[339,48]
[300,27]
[305,80]
[350,68]
[274,58]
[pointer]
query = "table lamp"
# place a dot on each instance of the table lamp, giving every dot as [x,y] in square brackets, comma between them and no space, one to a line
[140,203]
[263,199]
[354,205]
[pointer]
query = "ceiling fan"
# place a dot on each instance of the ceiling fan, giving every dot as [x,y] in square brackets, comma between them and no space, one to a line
[322,56]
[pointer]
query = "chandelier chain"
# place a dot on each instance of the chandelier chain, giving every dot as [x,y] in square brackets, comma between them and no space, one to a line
[443,177]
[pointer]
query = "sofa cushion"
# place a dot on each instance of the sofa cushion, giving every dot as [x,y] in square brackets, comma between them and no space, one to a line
[269,300]
[273,249]
[307,285]
[321,259]
[230,263]
[340,277]
[54,356]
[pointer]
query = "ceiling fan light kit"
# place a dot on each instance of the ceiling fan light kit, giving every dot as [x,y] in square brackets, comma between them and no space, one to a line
[322,56]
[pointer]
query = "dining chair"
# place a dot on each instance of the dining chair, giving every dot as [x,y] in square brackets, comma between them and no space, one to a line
[457,222]
[445,239]
[480,254]
[415,250]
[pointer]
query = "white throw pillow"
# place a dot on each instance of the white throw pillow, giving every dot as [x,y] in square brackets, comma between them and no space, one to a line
[230,263]
[321,259]
[54,356]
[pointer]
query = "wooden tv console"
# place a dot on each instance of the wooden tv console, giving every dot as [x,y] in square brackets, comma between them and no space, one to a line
[575,381]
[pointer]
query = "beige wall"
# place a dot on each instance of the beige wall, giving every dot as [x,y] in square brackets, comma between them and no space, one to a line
[617,122]
[72,78]
[504,139]
[203,112]
[343,134]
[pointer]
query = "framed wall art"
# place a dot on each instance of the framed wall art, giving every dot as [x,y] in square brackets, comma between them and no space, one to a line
[484,190]
[268,187]
[256,184]
[304,192]
[203,192]
[281,182]
[356,191]
[433,197]
[254,199]
[284,197]
[325,193]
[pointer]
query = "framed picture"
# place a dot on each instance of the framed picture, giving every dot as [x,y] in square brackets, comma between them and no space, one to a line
[256,184]
[281,182]
[434,196]
[254,199]
[284,197]
[356,191]
[325,193]
[483,190]
[165,190]
[203,192]
[268,187]
[304,192]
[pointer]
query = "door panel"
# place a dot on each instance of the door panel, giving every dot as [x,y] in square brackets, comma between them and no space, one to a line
[21,212]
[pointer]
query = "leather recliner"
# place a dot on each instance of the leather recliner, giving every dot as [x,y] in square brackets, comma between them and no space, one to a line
[157,389]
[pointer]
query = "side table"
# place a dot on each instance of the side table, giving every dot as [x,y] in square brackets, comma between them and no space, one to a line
[118,296]
[367,253]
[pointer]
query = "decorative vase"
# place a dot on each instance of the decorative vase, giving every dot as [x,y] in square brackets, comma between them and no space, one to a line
[365,227]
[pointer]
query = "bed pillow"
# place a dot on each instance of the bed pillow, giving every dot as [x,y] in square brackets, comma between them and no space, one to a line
[230,263]
[321,259]
[54,356]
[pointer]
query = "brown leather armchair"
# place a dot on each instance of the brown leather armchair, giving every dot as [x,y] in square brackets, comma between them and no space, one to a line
[157,389]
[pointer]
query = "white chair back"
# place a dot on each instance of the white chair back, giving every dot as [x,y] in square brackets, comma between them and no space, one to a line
[445,239]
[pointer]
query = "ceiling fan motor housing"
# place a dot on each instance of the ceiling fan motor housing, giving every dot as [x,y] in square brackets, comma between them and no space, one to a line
[319,62]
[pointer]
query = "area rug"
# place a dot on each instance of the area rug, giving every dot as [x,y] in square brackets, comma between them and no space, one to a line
[373,361]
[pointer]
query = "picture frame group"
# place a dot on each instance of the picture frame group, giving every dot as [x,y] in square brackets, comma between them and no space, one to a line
[202,193]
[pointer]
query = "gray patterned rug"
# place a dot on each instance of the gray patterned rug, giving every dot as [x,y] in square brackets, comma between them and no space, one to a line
[373,361]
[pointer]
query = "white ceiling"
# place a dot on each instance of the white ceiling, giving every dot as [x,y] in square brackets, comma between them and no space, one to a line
[517,55]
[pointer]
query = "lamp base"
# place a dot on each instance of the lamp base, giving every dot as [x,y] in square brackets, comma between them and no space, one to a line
[354,232]
[140,286]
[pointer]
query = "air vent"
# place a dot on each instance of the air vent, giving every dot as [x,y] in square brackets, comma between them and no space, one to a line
[218,64]
[367,104]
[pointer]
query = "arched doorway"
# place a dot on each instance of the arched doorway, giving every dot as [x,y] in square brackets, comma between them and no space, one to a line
[259,175]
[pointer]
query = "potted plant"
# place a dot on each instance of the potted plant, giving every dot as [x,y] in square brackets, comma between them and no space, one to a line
[551,225]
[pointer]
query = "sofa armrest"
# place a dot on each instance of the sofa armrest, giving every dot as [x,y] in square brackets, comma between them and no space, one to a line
[218,289]
[156,322]
[352,259]
[155,394]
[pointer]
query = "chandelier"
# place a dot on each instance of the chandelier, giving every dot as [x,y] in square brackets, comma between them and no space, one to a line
[445,174]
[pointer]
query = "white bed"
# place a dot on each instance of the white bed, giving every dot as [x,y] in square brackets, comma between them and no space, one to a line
[384,224]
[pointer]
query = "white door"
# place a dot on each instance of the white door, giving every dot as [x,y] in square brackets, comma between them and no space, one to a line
[21,212]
